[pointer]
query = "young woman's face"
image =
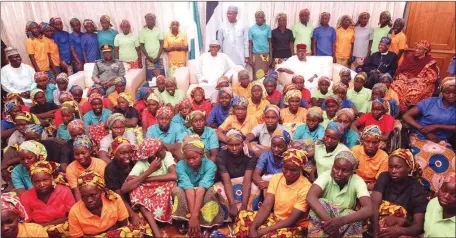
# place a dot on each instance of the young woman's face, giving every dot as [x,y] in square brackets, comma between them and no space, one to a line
[193,159]
[384,19]
[184,111]
[91,196]
[299,82]
[161,85]
[152,106]
[42,82]
[270,87]
[175,26]
[67,117]
[291,171]
[42,182]
[235,147]
[345,120]
[324,20]
[371,144]
[97,105]
[104,24]
[358,83]
[376,93]
[120,88]
[150,21]
[331,108]
[171,88]
[10,222]
[271,119]
[294,103]
[282,21]
[48,32]
[240,112]
[20,125]
[259,20]
[198,123]
[345,78]
[278,147]
[346,23]
[257,92]
[15,111]
[118,128]
[341,93]
[77,95]
[35,29]
[125,28]
[387,81]
[377,110]
[447,195]
[331,139]
[397,27]
[62,84]
[27,158]
[224,99]
[323,86]
[198,96]
[76,132]
[76,26]
[123,155]
[363,20]
[312,122]
[397,168]
[82,155]
[122,103]
[89,28]
[341,171]
[244,81]
[40,98]
[449,94]
[163,122]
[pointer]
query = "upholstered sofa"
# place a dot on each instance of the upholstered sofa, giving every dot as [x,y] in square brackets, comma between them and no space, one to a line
[135,78]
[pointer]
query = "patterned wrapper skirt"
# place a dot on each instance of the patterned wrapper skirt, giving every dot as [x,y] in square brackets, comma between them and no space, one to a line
[349,230]
[260,65]
[254,198]
[245,219]
[134,64]
[211,214]
[126,231]
[385,210]
[59,230]
[155,197]
[437,161]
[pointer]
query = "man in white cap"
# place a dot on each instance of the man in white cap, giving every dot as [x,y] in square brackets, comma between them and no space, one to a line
[234,38]
[212,65]
[16,76]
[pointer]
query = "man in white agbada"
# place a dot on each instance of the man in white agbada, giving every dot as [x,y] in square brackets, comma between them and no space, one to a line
[16,76]
[234,38]
[300,65]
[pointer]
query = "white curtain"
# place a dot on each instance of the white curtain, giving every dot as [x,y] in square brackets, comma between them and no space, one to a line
[15,15]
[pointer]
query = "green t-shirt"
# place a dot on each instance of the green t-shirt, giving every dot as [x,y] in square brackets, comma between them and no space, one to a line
[378,34]
[324,160]
[142,165]
[127,46]
[151,40]
[303,35]
[359,98]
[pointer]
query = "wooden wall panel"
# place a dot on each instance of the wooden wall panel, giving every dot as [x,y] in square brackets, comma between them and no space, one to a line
[434,22]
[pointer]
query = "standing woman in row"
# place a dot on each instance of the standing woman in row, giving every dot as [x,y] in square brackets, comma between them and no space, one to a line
[345,36]
[89,42]
[364,35]
[303,30]
[176,46]
[398,39]
[62,39]
[282,40]
[381,31]
[37,48]
[75,45]
[260,46]
[107,34]
[127,46]
[323,37]
[151,41]
[47,30]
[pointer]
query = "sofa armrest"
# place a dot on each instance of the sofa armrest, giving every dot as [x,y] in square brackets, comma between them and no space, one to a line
[135,79]
[182,76]
[77,79]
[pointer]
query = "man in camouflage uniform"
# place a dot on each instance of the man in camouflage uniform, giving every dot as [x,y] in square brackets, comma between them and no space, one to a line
[107,69]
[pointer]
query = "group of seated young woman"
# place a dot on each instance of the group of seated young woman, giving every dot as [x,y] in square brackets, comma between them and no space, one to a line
[274,163]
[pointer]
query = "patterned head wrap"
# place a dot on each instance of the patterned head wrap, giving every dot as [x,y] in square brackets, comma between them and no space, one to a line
[33,94]
[273,108]
[282,134]
[234,135]
[338,86]
[34,147]
[371,130]
[54,20]
[86,22]
[227,90]
[344,71]
[296,76]
[119,142]
[82,141]
[324,78]
[191,116]
[425,44]
[342,19]
[120,80]
[448,82]
[289,87]
[65,95]
[44,26]
[305,10]
[315,111]
[386,75]
[98,87]
[261,85]
[28,31]
[222,79]
[259,13]
[362,76]
[291,94]
[239,101]
[272,75]
[165,111]
[348,156]
[307,145]
[297,156]
[385,40]
[192,93]
[143,93]
[40,74]
[161,77]
[11,203]
[280,15]
[154,97]
[148,148]
[407,156]
[325,14]
[127,97]
[63,76]
[333,98]
[347,111]
[115,117]
[106,18]
[76,124]
[94,96]
[71,106]
[28,117]
[186,103]
[336,127]
[193,143]
[37,129]
[150,15]
[43,166]
[171,80]
[382,102]
[10,105]
[11,96]
[92,178]
[381,86]
[124,23]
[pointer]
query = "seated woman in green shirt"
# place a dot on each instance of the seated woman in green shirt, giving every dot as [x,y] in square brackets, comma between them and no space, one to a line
[195,199]
[440,215]
[346,116]
[333,197]
[332,104]
[172,96]
[183,109]
[318,96]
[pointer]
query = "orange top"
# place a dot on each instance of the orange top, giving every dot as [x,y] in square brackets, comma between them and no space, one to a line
[113,97]
[31,230]
[257,110]
[288,117]
[344,41]
[54,50]
[75,169]
[82,222]
[232,122]
[392,95]
[370,168]
[39,47]
[241,91]
[176,58]
[398,42]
